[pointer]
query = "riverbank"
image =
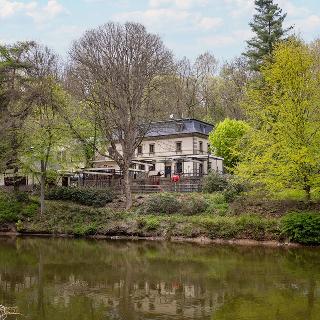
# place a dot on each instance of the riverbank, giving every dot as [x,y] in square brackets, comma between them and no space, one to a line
[199,240]
[196,218]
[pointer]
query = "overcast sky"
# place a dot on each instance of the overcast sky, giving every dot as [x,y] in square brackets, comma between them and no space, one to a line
[188,27]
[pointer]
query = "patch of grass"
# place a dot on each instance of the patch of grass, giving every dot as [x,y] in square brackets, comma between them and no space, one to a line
[216,204]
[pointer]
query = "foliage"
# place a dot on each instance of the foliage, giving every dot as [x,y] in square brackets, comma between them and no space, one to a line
[234,189]
[225,139]
[216,204]
[81,230]
[14,100]
[214,181]
[89,197]
[16,206]
[30,209]
[22,196]
[192,204]
[267,26]
[245,226]
[302,227]
[163,203]
[282,149]
[184,204]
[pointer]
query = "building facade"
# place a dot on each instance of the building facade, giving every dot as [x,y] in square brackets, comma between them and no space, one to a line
[171,147]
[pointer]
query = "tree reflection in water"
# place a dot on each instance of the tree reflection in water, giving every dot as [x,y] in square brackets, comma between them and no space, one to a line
[51,279]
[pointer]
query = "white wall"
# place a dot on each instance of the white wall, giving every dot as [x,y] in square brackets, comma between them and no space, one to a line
[166,147]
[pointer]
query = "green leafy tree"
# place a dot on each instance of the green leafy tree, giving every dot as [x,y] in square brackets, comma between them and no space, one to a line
[267,25]
[225,139]
[44,126]
[283,146]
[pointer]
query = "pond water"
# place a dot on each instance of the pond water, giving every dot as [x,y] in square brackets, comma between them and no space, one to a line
[57,279]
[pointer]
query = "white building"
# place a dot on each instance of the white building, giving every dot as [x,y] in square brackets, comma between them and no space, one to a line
[171,147]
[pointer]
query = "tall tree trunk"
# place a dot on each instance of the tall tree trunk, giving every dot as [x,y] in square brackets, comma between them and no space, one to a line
[126,187]
[42,186]
[307,189]
[308,193]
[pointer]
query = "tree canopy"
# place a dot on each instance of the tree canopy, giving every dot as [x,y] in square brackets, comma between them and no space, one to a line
[225,139]
[283,147]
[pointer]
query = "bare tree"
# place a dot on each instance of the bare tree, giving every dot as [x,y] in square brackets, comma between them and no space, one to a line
[189,91]
[233,78]
[118,68]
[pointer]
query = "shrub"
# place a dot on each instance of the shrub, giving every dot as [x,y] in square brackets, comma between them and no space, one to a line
[9,208]
[89,197]
[193,204]
[22,196]
[152,223]
[163,203]
[233,190]
[214,182]
[84,229]
[30,210]
[302,227]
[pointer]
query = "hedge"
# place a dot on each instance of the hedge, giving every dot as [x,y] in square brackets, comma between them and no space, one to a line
[88,197]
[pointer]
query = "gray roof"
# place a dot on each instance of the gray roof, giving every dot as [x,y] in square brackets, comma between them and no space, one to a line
[179,126]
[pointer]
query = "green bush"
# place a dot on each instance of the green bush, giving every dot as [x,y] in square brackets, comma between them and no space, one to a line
[9,208]
[233,190]
[161,203]
[88,197]
[184,204]
[214,182]
[193,204]
[152,223]
[14,206]
[30,209]
[22,196]
[302,227]
[85,229]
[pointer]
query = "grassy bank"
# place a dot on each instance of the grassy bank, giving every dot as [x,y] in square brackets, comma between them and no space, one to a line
[168,215]
[72,219]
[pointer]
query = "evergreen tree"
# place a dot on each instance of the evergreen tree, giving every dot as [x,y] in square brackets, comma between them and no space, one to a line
[267,25]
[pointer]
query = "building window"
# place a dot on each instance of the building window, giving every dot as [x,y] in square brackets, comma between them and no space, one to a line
[142,167]
[152,168]
[151,148]
[178,146]
[133,166]
[179,167]
[208,146]
[139,149]
[201,146]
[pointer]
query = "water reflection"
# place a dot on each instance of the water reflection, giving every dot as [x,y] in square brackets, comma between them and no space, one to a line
[52,279]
